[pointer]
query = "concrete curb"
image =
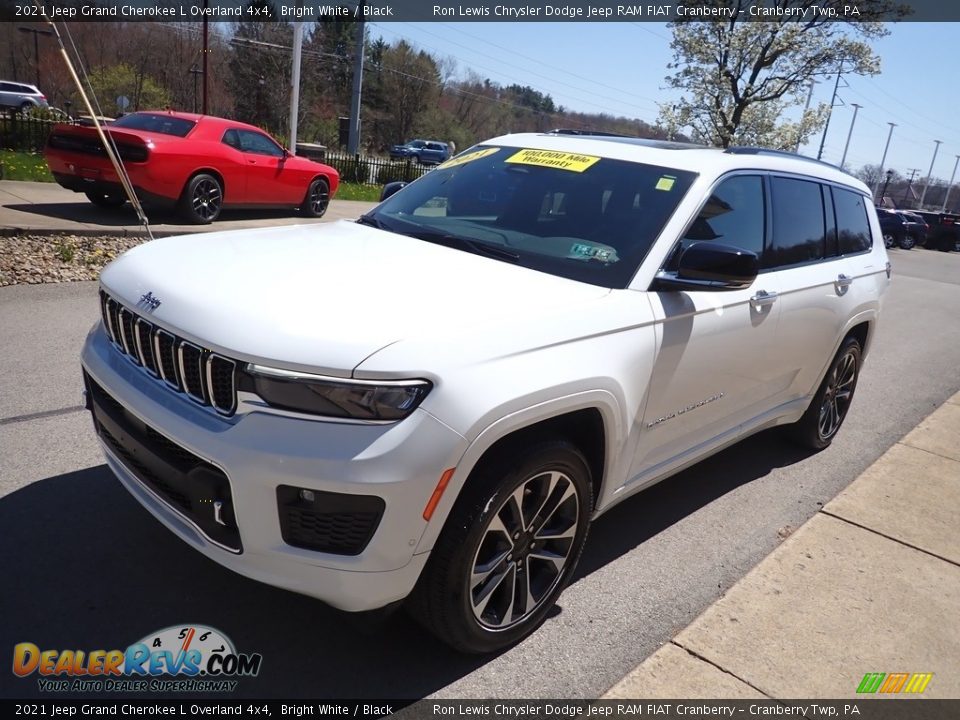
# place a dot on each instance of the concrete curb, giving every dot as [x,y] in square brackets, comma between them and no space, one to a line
[869,584]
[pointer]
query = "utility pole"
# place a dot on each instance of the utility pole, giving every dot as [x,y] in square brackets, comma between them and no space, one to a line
[196,72]
[884,158]
[833,100]
[856,109]
[943,208]
[36,47]
[353,142]
[913,173]
[206,52]
[796,148]
[295,82]
[930,172]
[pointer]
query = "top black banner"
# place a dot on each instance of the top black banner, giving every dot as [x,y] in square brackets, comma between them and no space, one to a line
[480,10]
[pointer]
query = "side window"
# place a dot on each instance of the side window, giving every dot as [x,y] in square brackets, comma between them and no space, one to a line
[799,226]
[853,227]
[232,138]
[253,142]
[734,215]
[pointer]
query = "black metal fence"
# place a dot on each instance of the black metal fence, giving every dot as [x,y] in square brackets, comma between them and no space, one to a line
[372,170]
[23,133]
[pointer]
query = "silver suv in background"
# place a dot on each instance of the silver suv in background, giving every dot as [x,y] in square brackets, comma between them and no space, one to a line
[20,96]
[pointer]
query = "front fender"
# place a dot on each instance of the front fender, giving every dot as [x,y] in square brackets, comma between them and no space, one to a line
[605,402]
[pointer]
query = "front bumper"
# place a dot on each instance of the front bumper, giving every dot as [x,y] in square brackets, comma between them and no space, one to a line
[258,453]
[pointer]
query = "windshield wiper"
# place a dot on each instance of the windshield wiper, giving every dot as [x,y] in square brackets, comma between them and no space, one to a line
[370,220]
[462,243]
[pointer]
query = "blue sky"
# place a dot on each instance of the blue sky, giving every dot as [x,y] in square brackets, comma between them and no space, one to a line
[619,69]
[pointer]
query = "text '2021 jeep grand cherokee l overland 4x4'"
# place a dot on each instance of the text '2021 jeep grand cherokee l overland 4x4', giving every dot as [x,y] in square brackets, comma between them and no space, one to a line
[433,402]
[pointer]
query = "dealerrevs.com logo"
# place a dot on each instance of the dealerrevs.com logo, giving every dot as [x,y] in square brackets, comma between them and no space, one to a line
[181,658]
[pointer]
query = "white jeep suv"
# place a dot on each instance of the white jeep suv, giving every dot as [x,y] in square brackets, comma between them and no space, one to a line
[432,403]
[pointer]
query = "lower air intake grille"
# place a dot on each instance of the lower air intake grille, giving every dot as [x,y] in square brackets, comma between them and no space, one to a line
[334,523]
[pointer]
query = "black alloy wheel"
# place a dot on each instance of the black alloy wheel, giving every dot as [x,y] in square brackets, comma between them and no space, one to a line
[202,199]
[317,199]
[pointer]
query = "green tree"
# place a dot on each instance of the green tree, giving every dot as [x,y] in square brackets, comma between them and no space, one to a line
[143,92]
[259,65]
[739,76]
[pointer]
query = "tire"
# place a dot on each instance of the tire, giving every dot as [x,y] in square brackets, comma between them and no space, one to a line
[202,199]
[888,240]
[317,199]
[829,407]
[497,552]
[25,108]
[106,200]
[907,241]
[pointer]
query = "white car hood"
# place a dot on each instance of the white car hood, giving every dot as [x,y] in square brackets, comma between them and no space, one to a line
[324,297]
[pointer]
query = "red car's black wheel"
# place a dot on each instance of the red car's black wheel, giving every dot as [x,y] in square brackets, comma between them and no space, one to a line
[202,199]
[317,199]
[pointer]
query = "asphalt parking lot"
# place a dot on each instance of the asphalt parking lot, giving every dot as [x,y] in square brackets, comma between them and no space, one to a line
[86,567]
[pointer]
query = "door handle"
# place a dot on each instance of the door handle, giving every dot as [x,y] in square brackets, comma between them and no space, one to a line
[843,283]
[764,298]
[252,162]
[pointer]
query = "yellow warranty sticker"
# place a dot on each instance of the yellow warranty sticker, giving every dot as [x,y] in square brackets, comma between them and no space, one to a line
[467,157]
[551,158]
[665,182]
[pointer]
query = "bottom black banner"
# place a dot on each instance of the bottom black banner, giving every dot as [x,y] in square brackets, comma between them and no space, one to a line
[862,709]
[898,708]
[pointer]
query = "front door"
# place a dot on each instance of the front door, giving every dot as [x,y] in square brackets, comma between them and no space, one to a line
[712,371]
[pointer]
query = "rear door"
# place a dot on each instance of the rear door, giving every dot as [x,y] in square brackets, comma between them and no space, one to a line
[820,285]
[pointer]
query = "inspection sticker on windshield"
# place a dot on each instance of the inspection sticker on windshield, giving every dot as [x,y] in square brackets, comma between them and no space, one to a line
[467,157]
[665,182]
[550,158]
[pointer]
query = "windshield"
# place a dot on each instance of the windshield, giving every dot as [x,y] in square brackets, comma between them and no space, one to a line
[155,122]
[582,217]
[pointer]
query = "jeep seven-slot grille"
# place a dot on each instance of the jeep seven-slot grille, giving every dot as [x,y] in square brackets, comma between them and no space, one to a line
[205,377]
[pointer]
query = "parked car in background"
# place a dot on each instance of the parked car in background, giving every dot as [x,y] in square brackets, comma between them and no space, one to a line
[20,96]
[536,330]
[425,152]
[944,230]
[901,228]
[196,163]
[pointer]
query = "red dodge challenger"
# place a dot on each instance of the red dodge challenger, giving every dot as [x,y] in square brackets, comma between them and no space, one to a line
[197,163]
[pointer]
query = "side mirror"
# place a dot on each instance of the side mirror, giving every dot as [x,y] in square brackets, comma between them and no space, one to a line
[712,266]
[391,188]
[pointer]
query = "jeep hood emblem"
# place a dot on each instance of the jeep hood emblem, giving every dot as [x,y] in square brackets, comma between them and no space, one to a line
[149,300]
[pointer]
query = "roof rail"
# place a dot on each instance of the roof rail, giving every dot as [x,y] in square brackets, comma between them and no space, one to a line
[746,150]
[598,133]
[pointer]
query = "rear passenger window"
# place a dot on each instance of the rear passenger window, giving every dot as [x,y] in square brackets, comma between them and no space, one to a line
[799,226]
[853,228]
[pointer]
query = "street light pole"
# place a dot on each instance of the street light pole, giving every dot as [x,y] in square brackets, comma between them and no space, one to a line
[833,100]
[884,193]
[883,161]
[929,172]
[943,208]
[856,109]
[36,47]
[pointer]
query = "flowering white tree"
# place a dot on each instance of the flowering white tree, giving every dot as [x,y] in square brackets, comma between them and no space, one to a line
[740,74]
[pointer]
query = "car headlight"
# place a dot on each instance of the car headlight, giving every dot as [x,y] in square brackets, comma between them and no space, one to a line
[370,400]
